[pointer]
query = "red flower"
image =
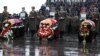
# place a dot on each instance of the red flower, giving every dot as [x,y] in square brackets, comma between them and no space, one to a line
[42,33]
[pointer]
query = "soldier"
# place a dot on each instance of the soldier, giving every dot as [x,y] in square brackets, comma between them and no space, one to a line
[4,15]
[68,24]
[75,24]
[33,21]
[61,16]
[95,15]
[40,17]
[24,17]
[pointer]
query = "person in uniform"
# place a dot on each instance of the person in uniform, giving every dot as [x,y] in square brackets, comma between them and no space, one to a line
[40,17]
[32,21]
[94,13]
[68,24]
[60,16]
[5,14]
[24,17]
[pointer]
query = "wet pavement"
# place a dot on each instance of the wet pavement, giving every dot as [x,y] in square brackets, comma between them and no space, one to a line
[30,46]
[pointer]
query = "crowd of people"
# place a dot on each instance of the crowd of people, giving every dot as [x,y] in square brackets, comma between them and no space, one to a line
[71,12]
[67,15]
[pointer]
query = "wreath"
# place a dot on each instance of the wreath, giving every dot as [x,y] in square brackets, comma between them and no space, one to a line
[42,33]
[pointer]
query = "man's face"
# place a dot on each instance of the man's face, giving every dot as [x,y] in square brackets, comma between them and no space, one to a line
[5,9]
[23,9]
[33,8]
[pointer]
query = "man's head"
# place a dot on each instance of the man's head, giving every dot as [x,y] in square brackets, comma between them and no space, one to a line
[33,8]
[5,8]
[23,8]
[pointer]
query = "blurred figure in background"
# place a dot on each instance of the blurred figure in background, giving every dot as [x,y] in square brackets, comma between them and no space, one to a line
[43,9]
[40,17]
[93,9]
[4,15]
[61,16]
[32,21]
[24,17]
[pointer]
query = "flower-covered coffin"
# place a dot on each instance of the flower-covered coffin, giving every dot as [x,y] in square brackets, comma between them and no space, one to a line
[46,28]
[11,27]
[87,29]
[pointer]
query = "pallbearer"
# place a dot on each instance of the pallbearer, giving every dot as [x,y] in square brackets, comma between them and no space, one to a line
[5,14]
[33,21]
[24,17]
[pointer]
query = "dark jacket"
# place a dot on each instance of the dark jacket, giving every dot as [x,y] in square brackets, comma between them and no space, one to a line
[33,20]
